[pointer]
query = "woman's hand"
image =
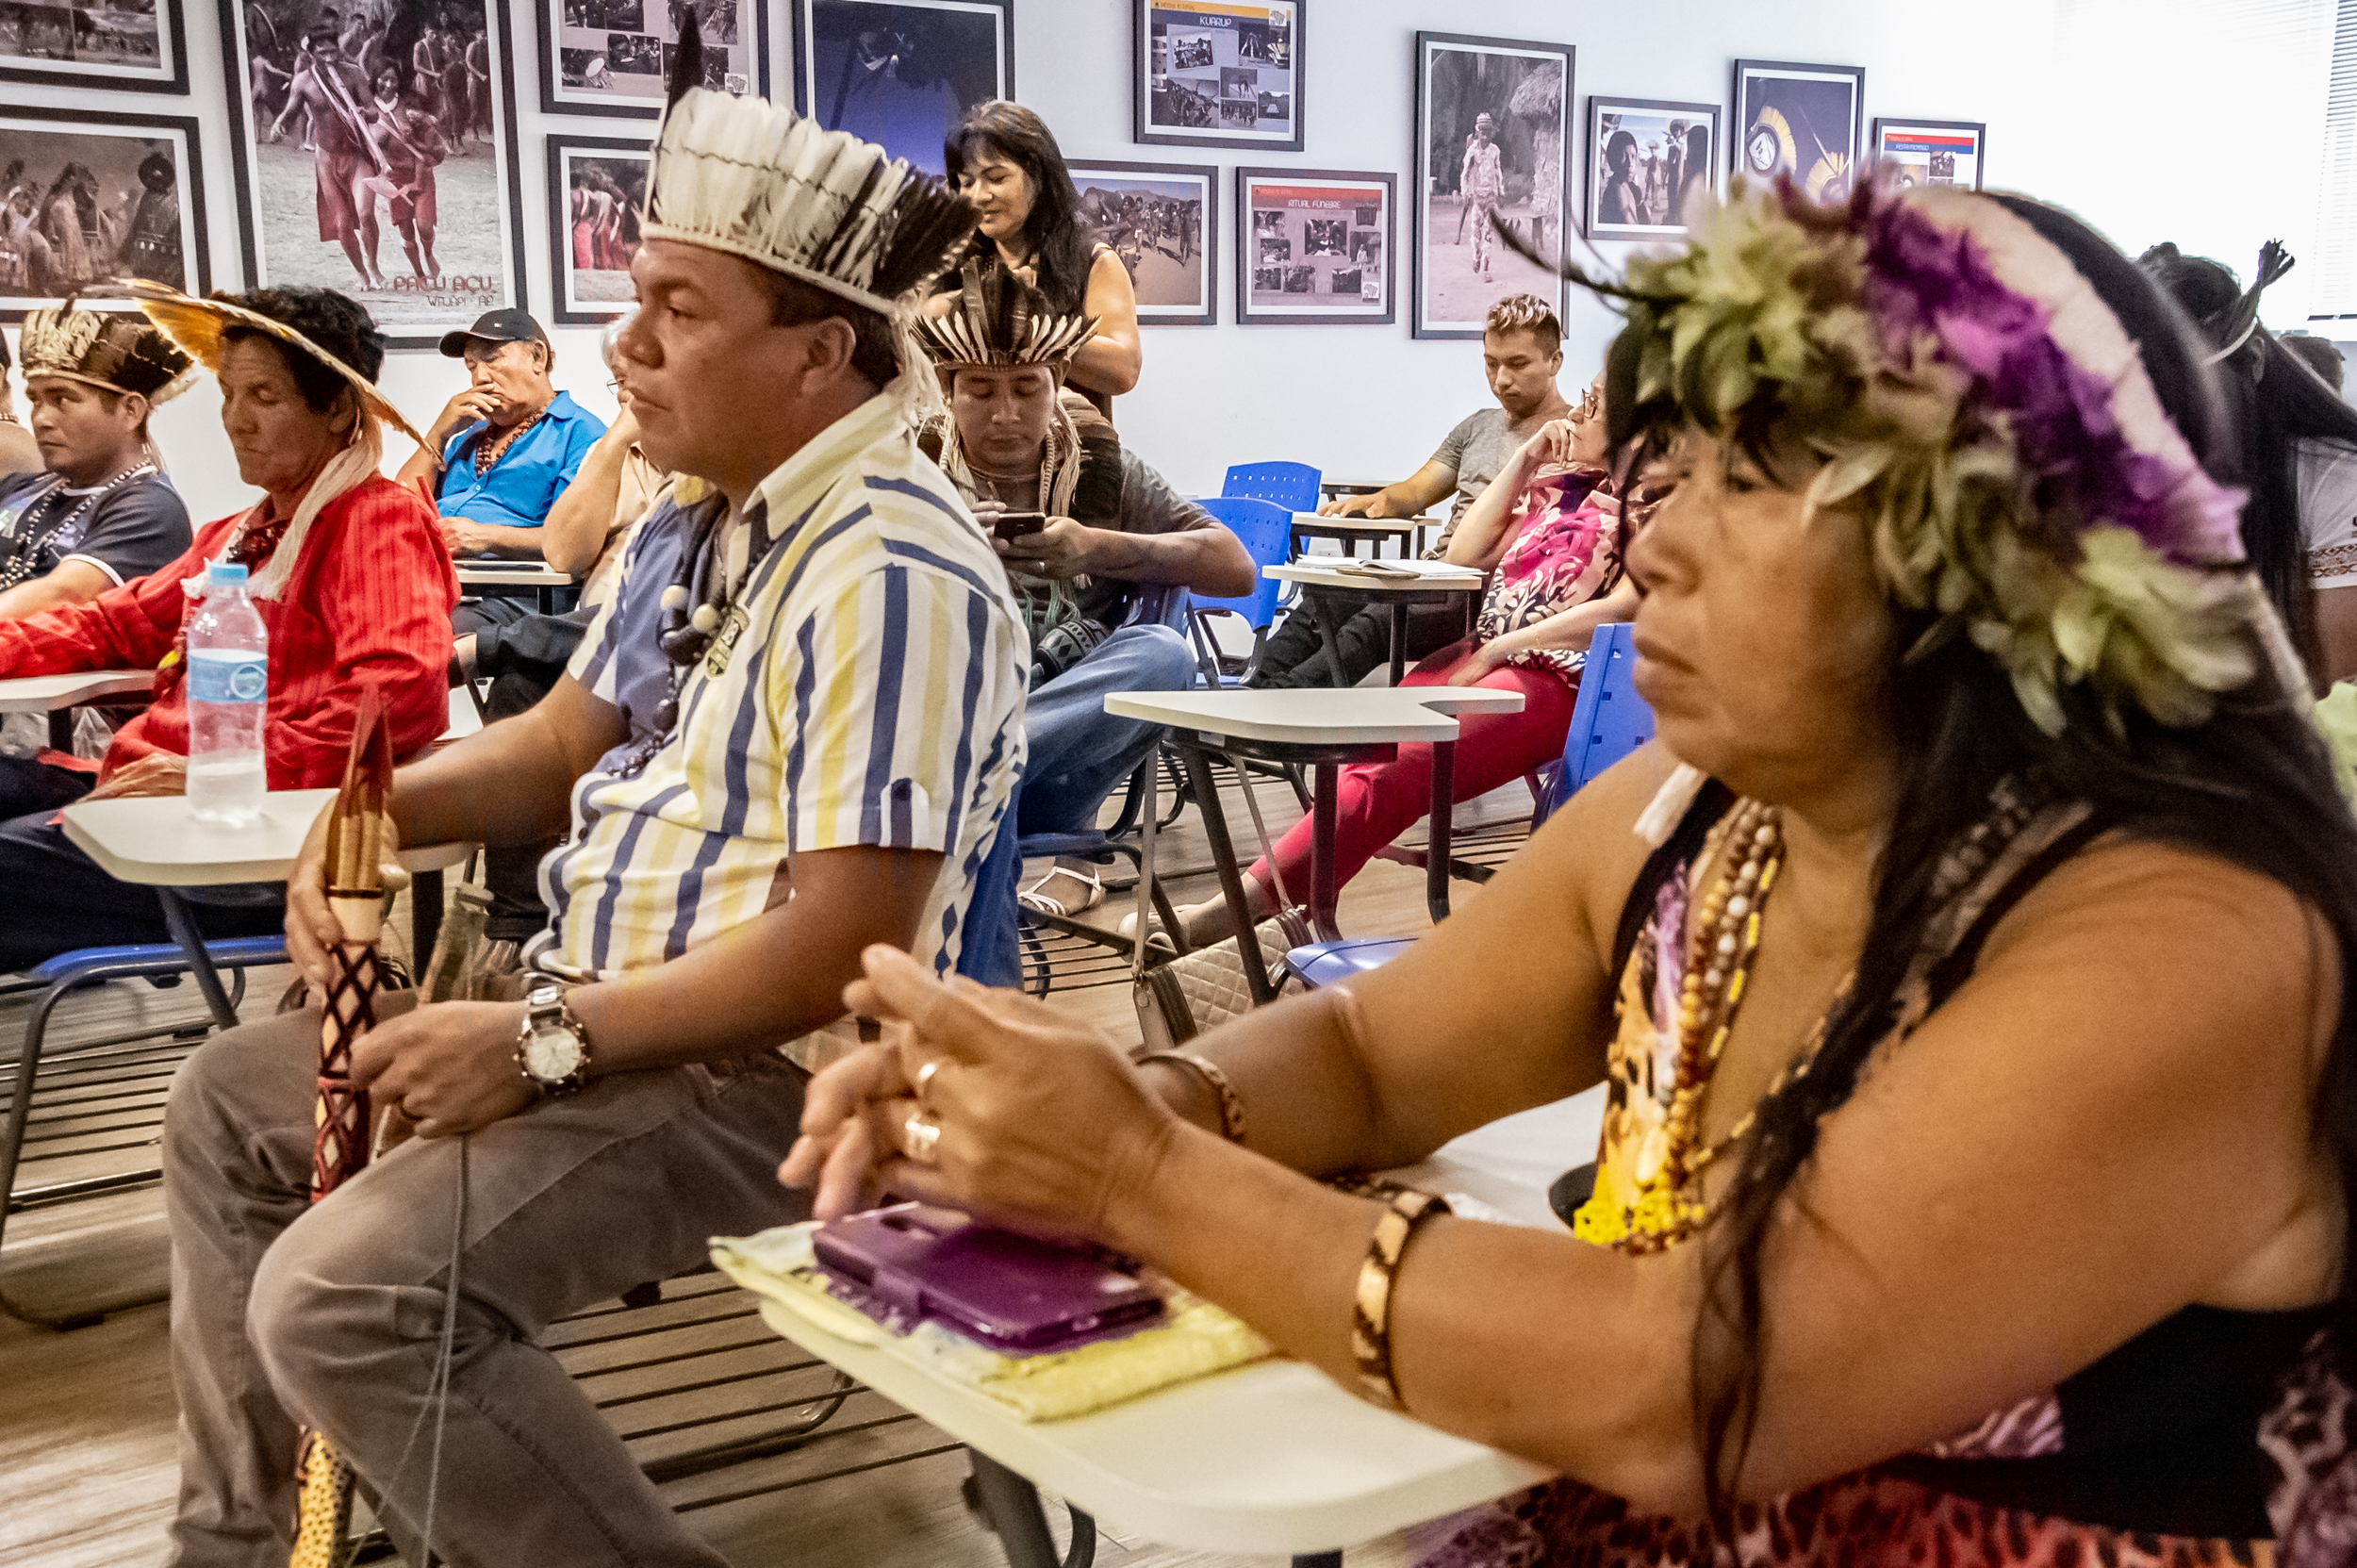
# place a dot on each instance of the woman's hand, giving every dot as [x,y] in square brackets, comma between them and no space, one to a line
[157,773]
[1044,1127]
[1551,443]
[1475,665]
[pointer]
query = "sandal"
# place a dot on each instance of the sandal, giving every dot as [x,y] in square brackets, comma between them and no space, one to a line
[1037,900]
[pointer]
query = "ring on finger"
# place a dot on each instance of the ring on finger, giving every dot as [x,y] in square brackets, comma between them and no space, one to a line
[925,1081]
[920,1136]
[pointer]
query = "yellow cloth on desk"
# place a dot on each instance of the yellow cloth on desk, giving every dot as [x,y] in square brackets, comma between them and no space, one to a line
[1194,1339]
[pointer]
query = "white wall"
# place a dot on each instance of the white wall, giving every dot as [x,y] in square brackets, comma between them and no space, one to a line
[1369,400]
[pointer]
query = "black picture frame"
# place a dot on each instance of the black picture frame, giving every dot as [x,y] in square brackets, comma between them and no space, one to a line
[17,125]
[168,76]
[1294,233]
[1158,125]
[1205,260]
[1667,112]
[815,35]
[1979,129]
[464,298]
[1787,84]
[554,88]
[1473,295]
[565,307]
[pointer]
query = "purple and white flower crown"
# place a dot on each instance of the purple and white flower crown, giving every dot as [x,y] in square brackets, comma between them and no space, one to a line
[1975,395]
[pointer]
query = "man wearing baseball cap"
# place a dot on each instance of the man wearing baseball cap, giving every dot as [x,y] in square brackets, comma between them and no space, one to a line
[503,450]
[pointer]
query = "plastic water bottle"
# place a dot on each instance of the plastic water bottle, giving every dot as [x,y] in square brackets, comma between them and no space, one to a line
[228,693]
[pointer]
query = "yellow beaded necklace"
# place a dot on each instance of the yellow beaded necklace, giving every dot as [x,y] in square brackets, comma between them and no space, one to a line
[1724,937]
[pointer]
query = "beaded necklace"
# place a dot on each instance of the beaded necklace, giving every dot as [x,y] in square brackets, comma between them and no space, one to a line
[487,452]
[1725,938]
[20,566]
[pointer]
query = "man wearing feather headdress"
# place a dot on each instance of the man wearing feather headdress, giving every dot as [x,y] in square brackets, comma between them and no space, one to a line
[793,732]
[1111,531]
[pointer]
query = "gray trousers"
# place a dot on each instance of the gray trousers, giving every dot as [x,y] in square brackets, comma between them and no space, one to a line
[283,1312]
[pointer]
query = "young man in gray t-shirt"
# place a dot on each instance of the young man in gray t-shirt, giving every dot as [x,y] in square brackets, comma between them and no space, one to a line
[1521,350]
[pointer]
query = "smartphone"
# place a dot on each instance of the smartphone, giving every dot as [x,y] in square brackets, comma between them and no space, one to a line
[911,1261]
[1012,526]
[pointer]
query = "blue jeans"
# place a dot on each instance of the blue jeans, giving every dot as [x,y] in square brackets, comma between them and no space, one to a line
[1079,751]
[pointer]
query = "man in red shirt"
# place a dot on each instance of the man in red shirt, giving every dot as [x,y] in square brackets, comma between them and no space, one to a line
[349,574]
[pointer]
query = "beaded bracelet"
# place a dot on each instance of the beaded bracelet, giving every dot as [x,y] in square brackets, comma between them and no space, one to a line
[1370,1314]
[1230,1103]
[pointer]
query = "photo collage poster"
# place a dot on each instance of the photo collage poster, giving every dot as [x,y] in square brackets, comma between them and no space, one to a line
[1219,73]
[1316,246]
[1930,154]
[377,156]
[92,196]
[613,55]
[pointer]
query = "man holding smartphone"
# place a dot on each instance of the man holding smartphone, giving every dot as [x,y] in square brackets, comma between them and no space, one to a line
[1089,535]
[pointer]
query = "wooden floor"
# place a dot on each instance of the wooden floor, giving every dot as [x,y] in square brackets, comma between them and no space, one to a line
[86,1473]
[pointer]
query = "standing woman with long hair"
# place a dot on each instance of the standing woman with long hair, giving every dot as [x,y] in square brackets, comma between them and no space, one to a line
[1005,160]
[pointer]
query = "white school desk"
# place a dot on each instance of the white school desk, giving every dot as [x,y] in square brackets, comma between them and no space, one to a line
[1269,1458]
[1333,591]
[1322,730]
[58,695]
[516,574]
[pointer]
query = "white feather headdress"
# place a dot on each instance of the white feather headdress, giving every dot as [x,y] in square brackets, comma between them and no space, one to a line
[757,180]
[995,318]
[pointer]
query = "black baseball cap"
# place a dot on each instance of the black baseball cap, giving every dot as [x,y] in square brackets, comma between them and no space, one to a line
[494,326]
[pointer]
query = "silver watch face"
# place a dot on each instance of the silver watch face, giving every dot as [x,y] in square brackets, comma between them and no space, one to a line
[551,1055]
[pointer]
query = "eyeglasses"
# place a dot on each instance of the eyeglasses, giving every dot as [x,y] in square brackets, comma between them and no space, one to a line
[1586,407]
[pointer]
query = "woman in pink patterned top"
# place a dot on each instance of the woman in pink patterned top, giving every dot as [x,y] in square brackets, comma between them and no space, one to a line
[1549,531]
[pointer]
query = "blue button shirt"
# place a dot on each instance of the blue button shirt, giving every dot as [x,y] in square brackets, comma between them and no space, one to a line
[530,474]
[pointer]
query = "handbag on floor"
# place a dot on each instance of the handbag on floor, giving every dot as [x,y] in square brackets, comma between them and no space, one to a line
[1202,990]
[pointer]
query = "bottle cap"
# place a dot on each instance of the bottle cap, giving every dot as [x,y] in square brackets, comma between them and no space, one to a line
[224,572]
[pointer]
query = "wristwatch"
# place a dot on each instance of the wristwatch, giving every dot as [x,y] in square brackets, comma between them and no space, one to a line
[552,1048]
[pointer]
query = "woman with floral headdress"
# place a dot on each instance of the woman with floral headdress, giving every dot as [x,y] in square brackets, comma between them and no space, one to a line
[1964,971]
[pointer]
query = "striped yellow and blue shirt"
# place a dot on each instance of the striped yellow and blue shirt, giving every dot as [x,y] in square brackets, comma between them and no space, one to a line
[873,697]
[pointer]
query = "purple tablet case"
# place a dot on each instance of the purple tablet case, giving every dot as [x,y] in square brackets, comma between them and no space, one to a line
[910,1263]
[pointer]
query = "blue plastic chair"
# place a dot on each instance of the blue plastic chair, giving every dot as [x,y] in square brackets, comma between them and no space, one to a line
[1266,530]
[1291,485]
[161,961]
[1609,721]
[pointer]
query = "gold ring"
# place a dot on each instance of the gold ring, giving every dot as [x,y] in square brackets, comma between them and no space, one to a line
[920,1136]
[925,1081]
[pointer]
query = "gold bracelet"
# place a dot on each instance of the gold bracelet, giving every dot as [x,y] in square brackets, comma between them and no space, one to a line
[1370,1314]
[1230,1103]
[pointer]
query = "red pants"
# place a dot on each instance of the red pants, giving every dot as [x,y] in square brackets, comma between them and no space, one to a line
[1376,801]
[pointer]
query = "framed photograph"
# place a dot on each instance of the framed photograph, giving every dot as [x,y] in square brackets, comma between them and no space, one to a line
[93,195]
[901,74]
[1163,221]
[122,46]
[596,187]
[1932,152]
[610,57]
[1647,157]
[1314,246]
[1217,73]
[1493,140]
[375,155]
[1799,119]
